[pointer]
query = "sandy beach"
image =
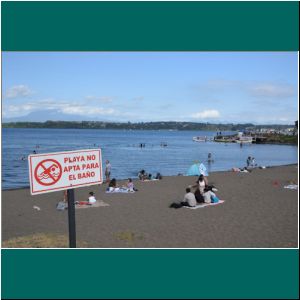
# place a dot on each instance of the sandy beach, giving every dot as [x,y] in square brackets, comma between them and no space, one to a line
[258,212]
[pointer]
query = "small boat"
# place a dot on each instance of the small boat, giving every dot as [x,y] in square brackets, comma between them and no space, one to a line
[199,138]
[245,139]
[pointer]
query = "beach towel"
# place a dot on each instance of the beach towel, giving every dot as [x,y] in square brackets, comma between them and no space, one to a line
[97,204]
[205,205]
[291,186]
[119,190]
[147,180]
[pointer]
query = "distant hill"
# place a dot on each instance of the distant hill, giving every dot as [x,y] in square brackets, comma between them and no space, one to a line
[170,125]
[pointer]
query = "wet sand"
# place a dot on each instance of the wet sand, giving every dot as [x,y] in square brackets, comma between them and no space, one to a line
[258,212]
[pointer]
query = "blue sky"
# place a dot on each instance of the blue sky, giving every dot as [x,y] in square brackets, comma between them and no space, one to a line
[225,87]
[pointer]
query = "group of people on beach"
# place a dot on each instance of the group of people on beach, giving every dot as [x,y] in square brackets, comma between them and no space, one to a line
[112,183]
[113,186]
[143,175]
[251,164]
[203,193]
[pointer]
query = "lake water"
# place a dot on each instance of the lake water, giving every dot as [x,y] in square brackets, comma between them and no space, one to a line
[121,147]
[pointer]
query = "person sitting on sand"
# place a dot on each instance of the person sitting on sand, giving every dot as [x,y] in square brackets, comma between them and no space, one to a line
[158,176]
[92,198]
[209,196]
[113,183]
[112,187]
[130,186]
[143,175]
[188,200]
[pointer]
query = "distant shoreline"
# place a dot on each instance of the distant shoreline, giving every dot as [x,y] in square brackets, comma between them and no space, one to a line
[160,125]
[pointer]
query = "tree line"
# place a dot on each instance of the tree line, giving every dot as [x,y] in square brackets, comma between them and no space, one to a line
[171,125]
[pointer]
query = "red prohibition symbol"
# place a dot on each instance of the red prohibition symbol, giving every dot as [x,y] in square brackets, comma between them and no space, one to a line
[48,172]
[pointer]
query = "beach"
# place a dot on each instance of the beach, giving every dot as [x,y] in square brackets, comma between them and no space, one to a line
[258,212]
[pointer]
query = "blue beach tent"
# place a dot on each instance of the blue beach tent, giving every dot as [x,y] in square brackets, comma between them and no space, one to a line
[196,170]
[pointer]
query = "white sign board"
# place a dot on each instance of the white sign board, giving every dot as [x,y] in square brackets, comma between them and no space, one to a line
[50,172]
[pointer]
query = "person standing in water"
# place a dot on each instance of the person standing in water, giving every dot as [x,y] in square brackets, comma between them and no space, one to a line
[209,158]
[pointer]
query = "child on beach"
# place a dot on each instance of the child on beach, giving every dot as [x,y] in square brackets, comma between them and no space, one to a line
[130,186]
[91,200]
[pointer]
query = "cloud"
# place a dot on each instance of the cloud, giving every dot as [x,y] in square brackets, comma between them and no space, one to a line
[18,91]
[166,106]
[138,99]
[86,110]
[206,114]
[257,89]
[70,108]
[102,99]
[272,90]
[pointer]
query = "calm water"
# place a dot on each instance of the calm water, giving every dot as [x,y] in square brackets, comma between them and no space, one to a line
[127,158]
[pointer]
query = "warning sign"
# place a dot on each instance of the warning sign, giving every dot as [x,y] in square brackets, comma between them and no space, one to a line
[48,172]
[64,170]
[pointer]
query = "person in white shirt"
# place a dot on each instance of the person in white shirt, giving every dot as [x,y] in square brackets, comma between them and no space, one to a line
[92,198]
[189,199]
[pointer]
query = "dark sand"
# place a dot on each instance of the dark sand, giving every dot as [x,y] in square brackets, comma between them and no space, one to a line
[256,213]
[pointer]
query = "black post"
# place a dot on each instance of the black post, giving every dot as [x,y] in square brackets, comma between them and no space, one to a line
[71,215]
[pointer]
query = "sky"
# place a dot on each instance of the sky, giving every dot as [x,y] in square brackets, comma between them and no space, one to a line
[214,87]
